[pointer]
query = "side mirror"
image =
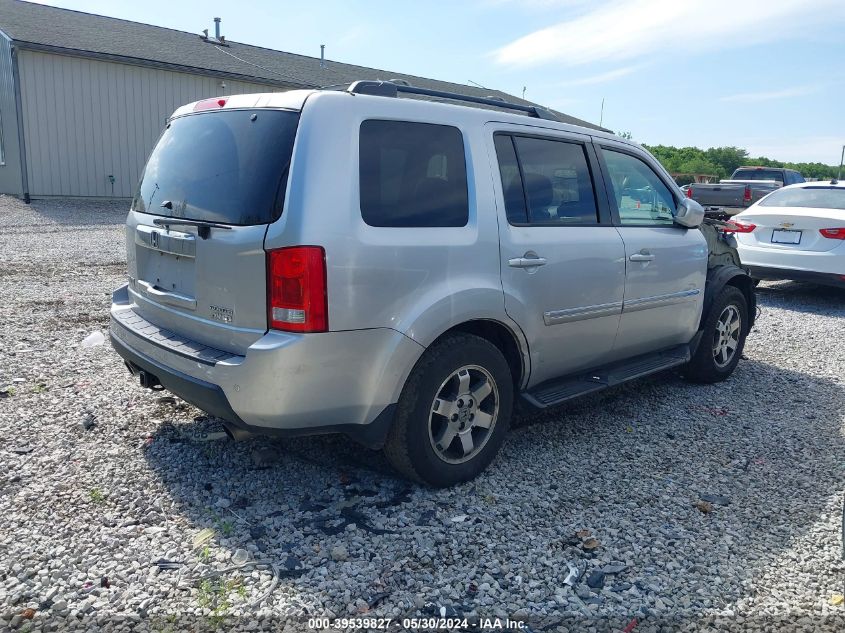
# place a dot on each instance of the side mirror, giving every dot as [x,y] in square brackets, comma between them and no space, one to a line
[689,213]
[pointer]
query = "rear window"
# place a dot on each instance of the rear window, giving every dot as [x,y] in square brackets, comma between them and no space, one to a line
[412,175]
[809,197]
[757,174]
[225,166]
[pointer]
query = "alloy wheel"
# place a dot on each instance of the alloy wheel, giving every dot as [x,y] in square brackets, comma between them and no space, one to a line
[726,337]
[463,414]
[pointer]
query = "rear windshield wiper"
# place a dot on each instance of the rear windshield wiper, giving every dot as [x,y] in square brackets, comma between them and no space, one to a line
[203,227]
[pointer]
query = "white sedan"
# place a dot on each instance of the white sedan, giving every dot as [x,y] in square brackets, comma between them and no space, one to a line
[796,232]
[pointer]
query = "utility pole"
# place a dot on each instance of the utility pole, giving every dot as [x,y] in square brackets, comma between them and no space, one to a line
[841,160]
[523,92]
[601,116]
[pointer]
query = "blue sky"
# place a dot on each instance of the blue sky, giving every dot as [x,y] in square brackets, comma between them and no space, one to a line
[767,75]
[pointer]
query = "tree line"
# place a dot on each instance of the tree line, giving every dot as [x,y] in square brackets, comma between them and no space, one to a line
[722,161]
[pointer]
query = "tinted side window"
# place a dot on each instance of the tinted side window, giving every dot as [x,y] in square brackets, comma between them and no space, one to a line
[558,186]
[641,196]
[511,180]
[412,175]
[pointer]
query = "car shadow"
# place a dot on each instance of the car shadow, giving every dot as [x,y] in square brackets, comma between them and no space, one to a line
[322,503]
[799,296]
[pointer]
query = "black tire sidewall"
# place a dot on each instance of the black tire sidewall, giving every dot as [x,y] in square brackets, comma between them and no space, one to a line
[703,366]
[456,353]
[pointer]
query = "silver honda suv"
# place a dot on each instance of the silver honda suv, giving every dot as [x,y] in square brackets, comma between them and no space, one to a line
[401,270]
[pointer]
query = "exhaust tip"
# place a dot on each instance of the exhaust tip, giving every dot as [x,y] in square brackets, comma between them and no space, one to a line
[236,434]
[149,381]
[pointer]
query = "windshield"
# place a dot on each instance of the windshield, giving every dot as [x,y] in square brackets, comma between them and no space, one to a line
[810,197]
[757,174]
[225,166]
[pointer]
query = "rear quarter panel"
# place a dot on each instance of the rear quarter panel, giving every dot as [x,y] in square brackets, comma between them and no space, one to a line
[418,281]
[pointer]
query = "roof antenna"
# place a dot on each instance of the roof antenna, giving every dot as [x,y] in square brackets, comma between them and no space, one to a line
[322,55]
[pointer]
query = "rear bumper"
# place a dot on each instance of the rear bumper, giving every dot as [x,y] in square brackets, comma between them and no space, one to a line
[208,397]
[792,261]
[285,384]
[776,274]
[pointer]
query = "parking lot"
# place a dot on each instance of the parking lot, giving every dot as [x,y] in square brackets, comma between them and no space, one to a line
[685,506]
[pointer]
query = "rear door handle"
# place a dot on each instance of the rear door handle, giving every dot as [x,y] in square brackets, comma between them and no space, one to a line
[526,262]
[642,256]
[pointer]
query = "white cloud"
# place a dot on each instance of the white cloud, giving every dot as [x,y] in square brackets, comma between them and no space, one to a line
[620,30]
[753,97]
[538,4]
[599,79]
[810,149]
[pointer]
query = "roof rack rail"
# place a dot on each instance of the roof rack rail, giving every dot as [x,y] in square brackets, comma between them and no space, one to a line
[391,89]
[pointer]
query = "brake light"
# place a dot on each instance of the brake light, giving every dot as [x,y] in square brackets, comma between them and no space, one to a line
[738,227]
[689,192]
[747,195]
[833,234]
[210,104]
[296,292]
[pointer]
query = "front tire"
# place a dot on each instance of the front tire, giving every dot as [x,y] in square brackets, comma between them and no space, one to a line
[725,328]
[454,412]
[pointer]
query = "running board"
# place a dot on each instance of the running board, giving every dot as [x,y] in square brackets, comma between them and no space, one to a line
[554,392]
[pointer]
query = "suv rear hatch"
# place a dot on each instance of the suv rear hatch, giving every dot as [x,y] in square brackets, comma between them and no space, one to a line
[195,234]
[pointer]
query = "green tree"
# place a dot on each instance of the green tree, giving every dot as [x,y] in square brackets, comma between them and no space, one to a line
[722,161]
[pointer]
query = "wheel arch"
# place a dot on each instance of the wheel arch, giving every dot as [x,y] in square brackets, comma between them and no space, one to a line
[728,275]
[512,344]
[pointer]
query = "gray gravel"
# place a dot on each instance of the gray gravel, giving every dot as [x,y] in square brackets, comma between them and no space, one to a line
[714,507]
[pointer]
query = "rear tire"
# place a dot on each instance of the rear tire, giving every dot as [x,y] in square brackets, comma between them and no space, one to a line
[454,412]
[725,328]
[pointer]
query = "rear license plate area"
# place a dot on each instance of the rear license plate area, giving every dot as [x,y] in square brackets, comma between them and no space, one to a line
[782,236]
[166,259]
[166,271]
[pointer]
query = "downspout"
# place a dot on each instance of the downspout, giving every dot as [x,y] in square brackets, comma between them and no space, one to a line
[16,78]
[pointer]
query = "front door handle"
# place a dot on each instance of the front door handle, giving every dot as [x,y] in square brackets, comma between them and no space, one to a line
[526,262]
[642,256]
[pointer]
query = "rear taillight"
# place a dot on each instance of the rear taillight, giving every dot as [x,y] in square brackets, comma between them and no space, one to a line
[296,289]
[689,192]
[210,104]
[735,226]
[833,234]
[747,195]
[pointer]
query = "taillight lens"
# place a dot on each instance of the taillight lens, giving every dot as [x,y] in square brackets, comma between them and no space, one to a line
[210,104]
[833,234]
[689,192]
[296,293]
[735,226]
[747,195]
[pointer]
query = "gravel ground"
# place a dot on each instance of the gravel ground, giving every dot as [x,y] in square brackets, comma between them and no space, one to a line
[102,484]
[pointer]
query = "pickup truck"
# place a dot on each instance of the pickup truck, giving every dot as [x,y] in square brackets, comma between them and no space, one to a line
[745,187]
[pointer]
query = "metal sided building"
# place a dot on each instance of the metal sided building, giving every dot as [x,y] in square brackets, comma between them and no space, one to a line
[84,97]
